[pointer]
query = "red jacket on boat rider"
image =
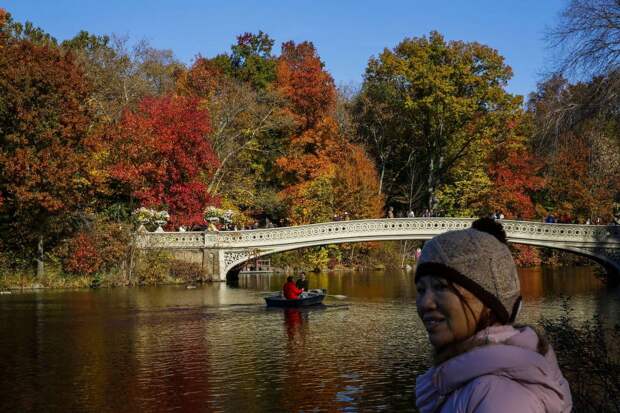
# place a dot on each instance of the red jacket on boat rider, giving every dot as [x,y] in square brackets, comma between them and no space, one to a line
[290,290]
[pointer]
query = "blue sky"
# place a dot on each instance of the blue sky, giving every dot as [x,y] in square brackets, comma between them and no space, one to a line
[346,33]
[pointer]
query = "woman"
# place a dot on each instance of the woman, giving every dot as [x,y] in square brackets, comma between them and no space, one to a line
[468,296]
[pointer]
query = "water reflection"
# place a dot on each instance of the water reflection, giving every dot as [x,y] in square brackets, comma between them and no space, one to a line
[216,348]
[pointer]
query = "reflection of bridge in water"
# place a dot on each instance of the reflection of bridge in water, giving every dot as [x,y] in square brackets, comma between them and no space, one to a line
[223,252]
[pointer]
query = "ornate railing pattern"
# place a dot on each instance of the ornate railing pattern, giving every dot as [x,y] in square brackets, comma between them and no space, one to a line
[223,251]
[379,229]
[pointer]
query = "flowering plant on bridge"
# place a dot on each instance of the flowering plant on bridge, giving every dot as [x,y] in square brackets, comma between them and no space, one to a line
[229,216]
[212,212]
[150,216]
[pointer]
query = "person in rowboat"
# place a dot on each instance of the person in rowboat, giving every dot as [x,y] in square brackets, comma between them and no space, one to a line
[302,282]
[290,290]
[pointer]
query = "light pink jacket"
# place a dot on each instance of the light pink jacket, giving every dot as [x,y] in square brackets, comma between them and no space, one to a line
[506,375]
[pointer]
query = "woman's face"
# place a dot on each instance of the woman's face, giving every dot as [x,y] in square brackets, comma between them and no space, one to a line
[448,318]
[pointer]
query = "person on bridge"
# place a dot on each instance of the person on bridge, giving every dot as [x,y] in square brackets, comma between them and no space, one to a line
[468,296]
[290,290]
[302,282]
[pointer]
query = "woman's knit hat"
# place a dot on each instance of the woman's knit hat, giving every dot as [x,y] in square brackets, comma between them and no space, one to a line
[478,259]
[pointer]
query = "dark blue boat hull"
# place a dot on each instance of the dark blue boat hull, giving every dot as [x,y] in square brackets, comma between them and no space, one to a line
[280,301]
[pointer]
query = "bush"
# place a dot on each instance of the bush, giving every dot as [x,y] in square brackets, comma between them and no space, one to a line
[100,247]
[152,267]
[82,257]
[186,271]
[526,255]
[585,352]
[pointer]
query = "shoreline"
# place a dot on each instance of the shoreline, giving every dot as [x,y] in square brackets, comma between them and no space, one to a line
[56,281]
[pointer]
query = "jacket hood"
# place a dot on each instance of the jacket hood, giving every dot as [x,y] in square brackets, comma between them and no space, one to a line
[500,351]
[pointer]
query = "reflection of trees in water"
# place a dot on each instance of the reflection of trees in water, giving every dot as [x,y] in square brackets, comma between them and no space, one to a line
[174,366]
[156,349]
[570,281]
[362,284]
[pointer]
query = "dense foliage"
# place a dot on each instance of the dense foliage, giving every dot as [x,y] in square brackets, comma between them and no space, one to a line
[94,128]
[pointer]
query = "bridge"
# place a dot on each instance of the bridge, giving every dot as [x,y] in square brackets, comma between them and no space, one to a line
[222,253]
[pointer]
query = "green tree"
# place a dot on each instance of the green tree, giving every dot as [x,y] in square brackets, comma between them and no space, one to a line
[252,61]
[424,106]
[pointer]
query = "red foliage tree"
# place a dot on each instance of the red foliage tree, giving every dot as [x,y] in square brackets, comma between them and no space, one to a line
[163,157]
[514,172]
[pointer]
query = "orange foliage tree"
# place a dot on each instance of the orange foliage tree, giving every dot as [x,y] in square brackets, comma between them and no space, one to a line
[45,156]
[357,185]
[321,168]
[576,186]
[302,79]
[201,79]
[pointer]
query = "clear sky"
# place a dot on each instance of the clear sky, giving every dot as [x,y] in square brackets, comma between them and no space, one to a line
[345,32]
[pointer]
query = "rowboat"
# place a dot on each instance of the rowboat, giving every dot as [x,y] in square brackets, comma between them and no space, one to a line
[306,299]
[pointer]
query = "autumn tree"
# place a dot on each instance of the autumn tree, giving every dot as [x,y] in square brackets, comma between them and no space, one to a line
[583,176]
[45,156]
[581,152]
[424,106]
[515,172]
[160,156]
[317,170]
[303,81]
[247,131]
[122,74]
[356,185]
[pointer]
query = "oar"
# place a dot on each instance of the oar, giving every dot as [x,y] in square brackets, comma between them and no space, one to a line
[338,296]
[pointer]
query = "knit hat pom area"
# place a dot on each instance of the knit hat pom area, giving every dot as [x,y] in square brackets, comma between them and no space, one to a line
[491,226]
[478,259]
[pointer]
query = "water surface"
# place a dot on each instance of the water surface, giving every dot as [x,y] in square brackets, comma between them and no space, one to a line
[217,348]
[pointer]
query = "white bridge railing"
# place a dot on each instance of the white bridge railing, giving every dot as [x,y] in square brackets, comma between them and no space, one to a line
[379,229]
[223,251]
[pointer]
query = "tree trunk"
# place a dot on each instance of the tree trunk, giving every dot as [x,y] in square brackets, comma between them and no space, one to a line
[431,191]
[381,179]
[40,257]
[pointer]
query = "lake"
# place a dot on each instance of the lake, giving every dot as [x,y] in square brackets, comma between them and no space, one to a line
[217,348]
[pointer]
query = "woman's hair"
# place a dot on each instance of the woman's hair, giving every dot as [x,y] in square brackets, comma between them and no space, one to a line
[289,278]
[488,317]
